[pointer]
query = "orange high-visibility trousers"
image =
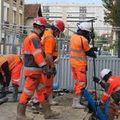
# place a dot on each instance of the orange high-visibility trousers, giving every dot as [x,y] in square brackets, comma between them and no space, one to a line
[49,85]
[15,74]
[79,75]
[34,83]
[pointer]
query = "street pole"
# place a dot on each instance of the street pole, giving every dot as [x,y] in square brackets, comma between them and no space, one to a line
[94,66]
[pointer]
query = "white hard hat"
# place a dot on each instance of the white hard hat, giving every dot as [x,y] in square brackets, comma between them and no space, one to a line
[85,26]
[104,72]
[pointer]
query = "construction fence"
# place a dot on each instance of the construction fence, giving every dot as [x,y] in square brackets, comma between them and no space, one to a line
[64,76]
[11,42]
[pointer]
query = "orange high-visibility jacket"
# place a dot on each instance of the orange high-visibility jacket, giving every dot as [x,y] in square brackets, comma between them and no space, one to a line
[78,46]
[12,60]
[33,54]
[2,60]
[49,43]
[114,85]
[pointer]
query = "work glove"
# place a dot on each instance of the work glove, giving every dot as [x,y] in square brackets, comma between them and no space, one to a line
[47,71]
[56,60]
[92,35]
[54,71]
[96,79]
[116,97]
[95,49]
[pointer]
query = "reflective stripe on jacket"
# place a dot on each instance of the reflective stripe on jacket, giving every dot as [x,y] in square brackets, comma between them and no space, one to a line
[33,54]
[78,46]
[114,85]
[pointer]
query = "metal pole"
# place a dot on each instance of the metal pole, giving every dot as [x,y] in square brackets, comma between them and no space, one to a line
[94,66]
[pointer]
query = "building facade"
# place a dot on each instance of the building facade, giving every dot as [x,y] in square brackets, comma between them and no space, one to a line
[31,11]
[75,13]
[12,21]
[13,11]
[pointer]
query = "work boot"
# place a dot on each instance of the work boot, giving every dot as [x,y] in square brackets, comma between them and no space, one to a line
[3,93]
[76,103]
[21,109]
[14,94]
[3,96]
[48,113]
[36,108]
[83,101]
[3,100]
[51,101]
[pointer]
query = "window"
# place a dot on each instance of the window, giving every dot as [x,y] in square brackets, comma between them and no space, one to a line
[83,10]
[7,39]
[14,17]
[21,2]
[6,14]
[47,16]
[20,19]
[46,9]
[82,15]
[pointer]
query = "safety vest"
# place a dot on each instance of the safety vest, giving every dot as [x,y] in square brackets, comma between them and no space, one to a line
[12,60]
[113,86]
[78,46]
[48,34]
[32,55]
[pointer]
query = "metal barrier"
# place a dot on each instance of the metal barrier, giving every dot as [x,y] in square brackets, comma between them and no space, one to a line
[64,76]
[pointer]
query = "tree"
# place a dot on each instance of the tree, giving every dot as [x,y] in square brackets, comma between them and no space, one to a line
[112,15]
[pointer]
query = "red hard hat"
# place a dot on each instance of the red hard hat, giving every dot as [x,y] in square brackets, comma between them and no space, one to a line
[40,21]
[59,24]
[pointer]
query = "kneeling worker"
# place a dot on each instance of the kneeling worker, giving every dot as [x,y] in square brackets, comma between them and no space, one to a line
[10,69]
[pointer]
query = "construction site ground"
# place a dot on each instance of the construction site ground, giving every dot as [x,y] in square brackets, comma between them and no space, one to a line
[8,110]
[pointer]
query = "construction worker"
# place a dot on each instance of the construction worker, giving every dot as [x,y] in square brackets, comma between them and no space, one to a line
[79,50]
[49,45]
[10,69]
[35,71]
[111,85]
